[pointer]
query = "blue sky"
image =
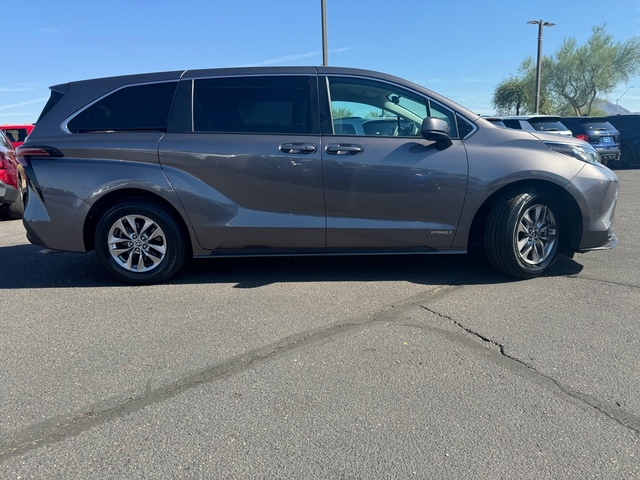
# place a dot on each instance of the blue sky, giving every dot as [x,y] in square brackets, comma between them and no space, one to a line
[461,49]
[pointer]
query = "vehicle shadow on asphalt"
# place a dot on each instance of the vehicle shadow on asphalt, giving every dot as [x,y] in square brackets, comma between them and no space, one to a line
[29,266]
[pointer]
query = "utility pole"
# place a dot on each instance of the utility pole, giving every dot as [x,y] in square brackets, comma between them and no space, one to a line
[540,24]
[621,97]
[325,55]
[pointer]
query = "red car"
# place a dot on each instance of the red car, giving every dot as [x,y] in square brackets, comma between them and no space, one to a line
[12,181]
[16,133]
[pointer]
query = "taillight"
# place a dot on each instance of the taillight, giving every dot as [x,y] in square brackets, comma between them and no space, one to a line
[38,151]
[583,136]
[25,153]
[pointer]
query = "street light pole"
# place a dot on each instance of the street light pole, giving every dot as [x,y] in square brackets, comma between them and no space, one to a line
[540,24]
[325,55]
[621,97]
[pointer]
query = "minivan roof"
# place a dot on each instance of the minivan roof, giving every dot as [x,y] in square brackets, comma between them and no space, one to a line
[88,90]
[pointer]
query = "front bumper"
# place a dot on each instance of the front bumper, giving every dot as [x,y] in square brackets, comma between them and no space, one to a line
[8,194]
[597,194]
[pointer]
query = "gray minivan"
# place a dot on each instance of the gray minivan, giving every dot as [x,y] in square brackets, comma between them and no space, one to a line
[148,170]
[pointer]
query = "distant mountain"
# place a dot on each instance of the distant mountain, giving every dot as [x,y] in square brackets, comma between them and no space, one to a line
[610,108]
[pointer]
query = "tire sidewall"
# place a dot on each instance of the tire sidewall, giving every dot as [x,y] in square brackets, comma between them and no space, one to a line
[626,156]
[175,252]
[500,236]
[526,202]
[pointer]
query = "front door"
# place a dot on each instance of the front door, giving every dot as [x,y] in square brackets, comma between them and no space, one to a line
[385,186]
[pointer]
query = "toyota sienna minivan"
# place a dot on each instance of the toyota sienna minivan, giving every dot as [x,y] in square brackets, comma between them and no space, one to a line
[149,170]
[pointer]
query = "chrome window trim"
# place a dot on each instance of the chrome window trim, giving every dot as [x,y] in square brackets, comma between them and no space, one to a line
[455,113]
[64,125]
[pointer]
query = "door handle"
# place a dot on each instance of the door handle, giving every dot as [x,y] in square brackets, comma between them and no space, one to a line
[298,147]
[344,149]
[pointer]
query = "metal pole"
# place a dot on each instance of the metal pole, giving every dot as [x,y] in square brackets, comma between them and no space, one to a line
[621,97]
[541,24]
[538,68]
[325,55]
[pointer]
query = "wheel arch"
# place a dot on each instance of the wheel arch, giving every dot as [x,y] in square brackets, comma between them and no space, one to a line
[107,201]
[569,212]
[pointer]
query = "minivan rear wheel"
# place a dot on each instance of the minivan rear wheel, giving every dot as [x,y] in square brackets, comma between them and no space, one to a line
[522,234]
[139,242]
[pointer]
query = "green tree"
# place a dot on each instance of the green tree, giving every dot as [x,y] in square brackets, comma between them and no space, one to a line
[511,97]
[580,75]
[341,112]
[516,94]
[575,77]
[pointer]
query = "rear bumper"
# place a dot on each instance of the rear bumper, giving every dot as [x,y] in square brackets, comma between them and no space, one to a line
[60,222]
[607,156]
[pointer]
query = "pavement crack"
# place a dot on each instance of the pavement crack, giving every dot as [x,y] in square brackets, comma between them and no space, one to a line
[61,427]
[582,400]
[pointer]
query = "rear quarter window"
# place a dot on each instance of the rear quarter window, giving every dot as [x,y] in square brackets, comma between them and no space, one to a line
[135,108]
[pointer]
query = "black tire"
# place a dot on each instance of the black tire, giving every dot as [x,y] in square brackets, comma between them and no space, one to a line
[626,156]
[139,242]
[522,234]
[15,210]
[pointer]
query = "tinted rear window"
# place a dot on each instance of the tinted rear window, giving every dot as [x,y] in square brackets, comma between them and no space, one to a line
[590,125]
[139,107]
[548,125]
[252,105]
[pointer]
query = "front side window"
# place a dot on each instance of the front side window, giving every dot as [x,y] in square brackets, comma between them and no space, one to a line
[366,107]
[252,105]
[135,108]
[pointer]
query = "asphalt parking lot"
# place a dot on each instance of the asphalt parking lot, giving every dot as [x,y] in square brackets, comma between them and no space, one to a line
[370,367]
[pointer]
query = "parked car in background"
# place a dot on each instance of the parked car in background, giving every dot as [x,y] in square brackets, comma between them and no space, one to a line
[12,181]
[373,126]
[600,134]
[16,133]
[532,123]
[148,170]
[629,128]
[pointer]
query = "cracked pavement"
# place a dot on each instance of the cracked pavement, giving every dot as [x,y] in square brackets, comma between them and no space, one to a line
[370,367]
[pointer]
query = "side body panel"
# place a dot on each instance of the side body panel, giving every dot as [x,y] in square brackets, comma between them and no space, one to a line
[243,191]
[396,193]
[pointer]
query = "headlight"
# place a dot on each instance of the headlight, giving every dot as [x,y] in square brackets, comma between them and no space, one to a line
[585,152]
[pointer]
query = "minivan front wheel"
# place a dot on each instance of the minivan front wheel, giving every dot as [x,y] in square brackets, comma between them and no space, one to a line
[522,234]
[139,242]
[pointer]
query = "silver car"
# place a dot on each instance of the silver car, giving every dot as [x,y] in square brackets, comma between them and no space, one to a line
[533,123]
[149,170]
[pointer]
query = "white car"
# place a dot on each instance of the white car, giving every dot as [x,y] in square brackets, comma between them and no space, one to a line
[533,123]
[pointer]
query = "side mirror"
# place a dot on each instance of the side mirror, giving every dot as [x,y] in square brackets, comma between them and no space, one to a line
[436,130]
